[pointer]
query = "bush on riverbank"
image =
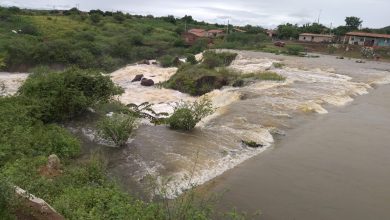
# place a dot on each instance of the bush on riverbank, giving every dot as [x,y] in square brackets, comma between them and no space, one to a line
[212,59]
[295,49]
[65,95]
[117,128]
[187,115]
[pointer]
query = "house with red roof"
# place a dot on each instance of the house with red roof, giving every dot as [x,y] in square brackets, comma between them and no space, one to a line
[192,35]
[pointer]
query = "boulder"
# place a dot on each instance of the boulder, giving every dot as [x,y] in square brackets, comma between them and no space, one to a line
[53,162]
[144,62]
[137,78]
[147,82]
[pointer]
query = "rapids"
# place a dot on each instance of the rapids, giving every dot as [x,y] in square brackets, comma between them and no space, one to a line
[259,112]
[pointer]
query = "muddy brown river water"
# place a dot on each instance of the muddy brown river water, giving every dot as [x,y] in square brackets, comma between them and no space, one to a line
[334,166]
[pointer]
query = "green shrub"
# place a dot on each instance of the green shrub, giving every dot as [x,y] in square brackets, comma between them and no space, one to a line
[278,65]
[117,128]
[24,135]
[65,95]
[29,29]
[199,46]
[95,18]
[182,119]
[166,61]
[187,115]
[267,75]
[191,59]
[295,49]
[213,59]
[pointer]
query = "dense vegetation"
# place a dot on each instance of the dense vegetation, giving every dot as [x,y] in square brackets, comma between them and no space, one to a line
[99,40]
[352,23]
[77,189]
[211,73]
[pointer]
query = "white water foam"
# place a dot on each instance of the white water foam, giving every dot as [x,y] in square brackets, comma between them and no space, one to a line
[10,82]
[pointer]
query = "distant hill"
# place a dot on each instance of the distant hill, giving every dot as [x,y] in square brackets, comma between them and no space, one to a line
[385,30]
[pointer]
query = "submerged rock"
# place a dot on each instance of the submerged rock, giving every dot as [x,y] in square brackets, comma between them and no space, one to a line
[252,144]
[137,78]
[147,82]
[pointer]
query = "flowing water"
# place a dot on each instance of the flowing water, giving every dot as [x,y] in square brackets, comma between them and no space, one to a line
[258,112]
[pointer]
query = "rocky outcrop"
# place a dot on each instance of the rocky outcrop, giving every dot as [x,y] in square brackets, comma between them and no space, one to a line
[147,82]
[52,168]
[35,208]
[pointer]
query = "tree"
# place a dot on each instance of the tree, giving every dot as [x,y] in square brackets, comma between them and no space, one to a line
[353,22]
[286,31]
[170,19]
[95,18]
[314,28]
[119,16]
[100,12]
[188,19]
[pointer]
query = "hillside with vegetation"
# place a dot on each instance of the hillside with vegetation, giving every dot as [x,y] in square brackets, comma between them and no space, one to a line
[97,39]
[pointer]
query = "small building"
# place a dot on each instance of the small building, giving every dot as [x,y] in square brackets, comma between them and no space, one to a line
[192,35]
[198,32]
[271,33]
[215,33]
[317,38]
[367,39]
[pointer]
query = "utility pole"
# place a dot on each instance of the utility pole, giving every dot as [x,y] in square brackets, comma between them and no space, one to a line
[227,28]
[330,29]
[319,15]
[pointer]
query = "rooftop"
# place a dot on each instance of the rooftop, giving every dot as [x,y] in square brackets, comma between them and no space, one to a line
[363,34]
[316,35]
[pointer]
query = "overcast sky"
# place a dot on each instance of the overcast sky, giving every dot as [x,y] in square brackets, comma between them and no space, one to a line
[266,13]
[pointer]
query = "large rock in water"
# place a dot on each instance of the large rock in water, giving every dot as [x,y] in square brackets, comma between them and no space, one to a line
[137,78]
[147,82]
